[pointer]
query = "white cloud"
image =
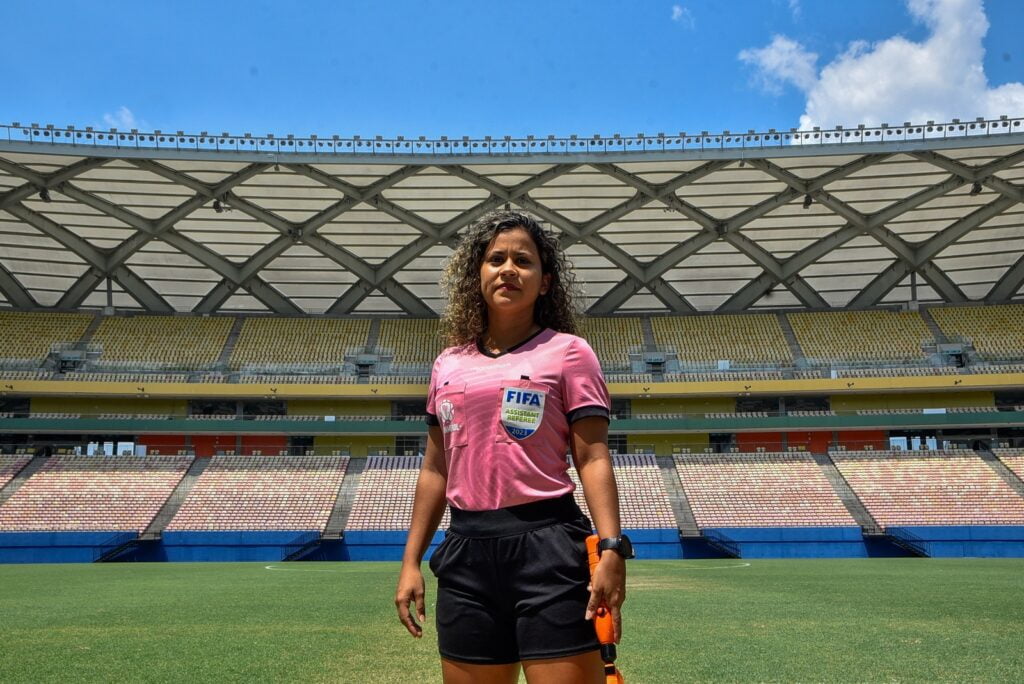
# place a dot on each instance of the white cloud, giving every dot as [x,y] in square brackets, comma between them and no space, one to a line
[123,119]
[782,61]
[895,80]
[683,15]
[794,8]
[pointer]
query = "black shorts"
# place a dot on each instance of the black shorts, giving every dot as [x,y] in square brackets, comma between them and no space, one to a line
[512,584]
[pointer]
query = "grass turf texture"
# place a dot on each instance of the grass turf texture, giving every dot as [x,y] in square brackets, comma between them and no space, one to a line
[775,620]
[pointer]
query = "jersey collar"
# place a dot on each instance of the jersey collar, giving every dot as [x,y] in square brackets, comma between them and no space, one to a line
[494,355]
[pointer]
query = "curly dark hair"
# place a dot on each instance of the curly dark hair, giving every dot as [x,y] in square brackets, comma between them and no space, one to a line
[465,318]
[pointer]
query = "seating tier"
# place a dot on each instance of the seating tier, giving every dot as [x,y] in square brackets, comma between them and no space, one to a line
[413,341]
[612,338]
[952,487]
[80,493]
[759,490]
[277,341]
[11,465]
[750,338]
[385,494]
[1012,459]
[861,335]
[29,336]
[643,499]
[263,493]
[996,331]
[186,342]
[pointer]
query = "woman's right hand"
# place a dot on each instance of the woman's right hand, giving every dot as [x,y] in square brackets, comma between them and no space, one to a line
[411,590]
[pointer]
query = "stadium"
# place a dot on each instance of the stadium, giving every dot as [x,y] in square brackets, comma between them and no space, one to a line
[216,347]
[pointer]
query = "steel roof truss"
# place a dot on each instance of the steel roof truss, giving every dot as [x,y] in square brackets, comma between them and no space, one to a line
[922,256]
[134,285]
[163,229]
[382,276]
[305,232]
[14,292]
[905,252]
[37,182]
[714,229]
[1008,285]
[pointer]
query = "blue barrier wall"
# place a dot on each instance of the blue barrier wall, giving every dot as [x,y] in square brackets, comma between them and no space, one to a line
[656,543]
[389,545]
[795,542]
[264,545]
[957,541]
[59,547]
[378,545]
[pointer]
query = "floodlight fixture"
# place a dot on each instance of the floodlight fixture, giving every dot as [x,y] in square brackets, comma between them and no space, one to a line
[975,189]
[218,207]
[44,195]
[808,200]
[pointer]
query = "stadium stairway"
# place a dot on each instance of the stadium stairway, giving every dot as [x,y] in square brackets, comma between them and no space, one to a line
[677,497]
[335,527]
[1008,476]
[868,525]
[648,332]
[23,475]
[722,544]
[230,342]
[926,316]
[373,336]
[794,345]
[174,501]
[86,337]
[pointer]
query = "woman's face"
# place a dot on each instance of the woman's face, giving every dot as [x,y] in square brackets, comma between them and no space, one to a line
[511,275]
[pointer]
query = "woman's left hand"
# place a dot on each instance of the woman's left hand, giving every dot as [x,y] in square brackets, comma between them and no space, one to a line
[608,588]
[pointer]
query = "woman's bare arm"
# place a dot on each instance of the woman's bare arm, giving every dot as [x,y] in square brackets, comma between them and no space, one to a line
[427,509]
[594,465]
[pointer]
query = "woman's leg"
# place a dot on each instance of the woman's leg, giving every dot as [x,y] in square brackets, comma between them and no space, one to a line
[585,668]
[466,673]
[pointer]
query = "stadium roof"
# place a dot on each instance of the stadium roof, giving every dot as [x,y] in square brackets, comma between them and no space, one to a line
[680,223]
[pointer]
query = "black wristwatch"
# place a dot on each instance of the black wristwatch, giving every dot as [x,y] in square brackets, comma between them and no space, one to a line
[620,545]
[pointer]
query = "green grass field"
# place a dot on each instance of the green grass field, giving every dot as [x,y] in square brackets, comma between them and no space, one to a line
[804,620]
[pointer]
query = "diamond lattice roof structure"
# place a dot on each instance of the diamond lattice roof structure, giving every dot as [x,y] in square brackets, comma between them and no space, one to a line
[690,223]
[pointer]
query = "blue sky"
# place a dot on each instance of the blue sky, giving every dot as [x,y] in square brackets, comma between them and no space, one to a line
[488,68]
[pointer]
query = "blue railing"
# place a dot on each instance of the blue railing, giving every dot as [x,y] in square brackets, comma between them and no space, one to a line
[49,134]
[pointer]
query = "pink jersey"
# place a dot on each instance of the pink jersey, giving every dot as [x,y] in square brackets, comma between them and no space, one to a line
[505,417]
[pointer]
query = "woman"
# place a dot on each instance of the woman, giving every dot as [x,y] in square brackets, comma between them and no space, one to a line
[514,393]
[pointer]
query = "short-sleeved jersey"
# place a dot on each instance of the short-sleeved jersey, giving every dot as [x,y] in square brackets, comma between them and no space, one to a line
[505,417]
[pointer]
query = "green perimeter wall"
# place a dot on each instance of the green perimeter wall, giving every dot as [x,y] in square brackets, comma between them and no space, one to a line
[338,407]
[690,405]
[858,402]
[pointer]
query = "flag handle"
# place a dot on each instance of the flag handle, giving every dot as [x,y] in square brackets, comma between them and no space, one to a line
[603,623]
